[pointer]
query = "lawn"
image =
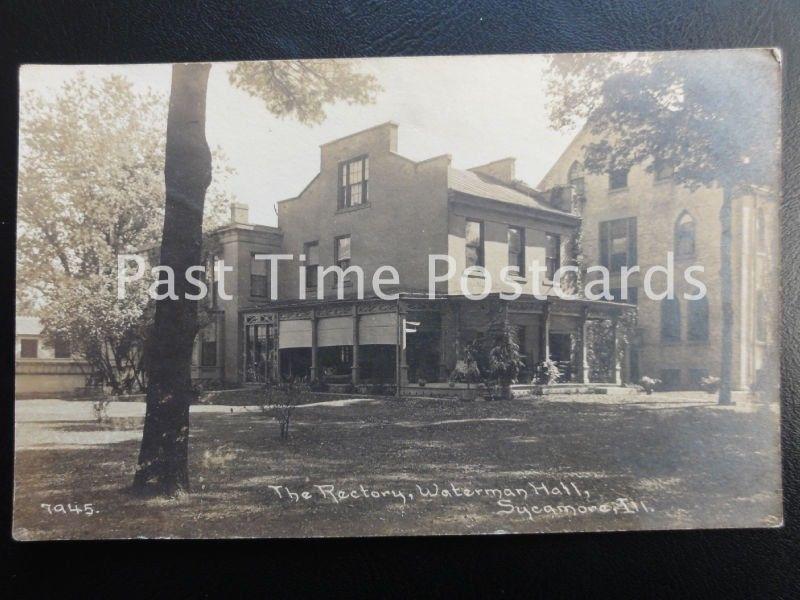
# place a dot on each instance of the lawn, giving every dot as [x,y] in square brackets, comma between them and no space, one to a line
[373,467]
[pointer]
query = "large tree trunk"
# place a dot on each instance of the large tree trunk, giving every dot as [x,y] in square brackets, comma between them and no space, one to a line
[187,172]
[726,291]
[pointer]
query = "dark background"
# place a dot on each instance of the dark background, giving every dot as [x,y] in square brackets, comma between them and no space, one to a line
[754,563]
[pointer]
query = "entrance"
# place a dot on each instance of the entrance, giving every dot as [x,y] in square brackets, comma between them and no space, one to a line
[259,345]
[561,354]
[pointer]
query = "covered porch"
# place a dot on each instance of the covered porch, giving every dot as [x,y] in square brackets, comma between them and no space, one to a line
[411,346]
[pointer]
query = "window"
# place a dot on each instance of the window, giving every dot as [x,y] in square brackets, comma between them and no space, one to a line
[473,235]
[664,170]
[552,254]
[353,176]
[618,179]
[311,250]
[670,320]
[61,348]
[670,378]
[618,243]
[211,281]
[575,178]
[697,324]
[342,253]
[29,348]
[684,236]
[633,295]
[763,316]
[695,376]
[259,280]
[516,249]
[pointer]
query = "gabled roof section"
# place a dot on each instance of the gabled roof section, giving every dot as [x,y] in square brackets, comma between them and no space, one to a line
[482,186]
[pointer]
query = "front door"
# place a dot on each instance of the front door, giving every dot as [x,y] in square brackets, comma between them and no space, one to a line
[561,353]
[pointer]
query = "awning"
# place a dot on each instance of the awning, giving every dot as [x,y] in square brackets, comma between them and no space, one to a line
[294,334]
[377,329]
[335,331]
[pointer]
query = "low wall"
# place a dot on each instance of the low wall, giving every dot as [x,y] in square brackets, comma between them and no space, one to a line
[48,378]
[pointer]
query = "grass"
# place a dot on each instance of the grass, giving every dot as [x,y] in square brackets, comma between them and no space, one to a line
[691,463]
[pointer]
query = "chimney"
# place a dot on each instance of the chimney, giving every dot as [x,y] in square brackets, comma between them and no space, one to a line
[240,213]
[503,169]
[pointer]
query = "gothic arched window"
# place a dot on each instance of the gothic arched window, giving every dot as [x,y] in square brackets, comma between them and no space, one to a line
[684,235]
[575,178]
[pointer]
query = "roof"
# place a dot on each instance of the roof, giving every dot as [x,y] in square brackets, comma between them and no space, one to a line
[483,186]
[28,326]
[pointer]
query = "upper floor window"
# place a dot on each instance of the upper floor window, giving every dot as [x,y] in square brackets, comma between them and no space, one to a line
[353,176]
[670,320]
[697,325]
[516,249]
[618,179]
[259,279]
[343,252]
[684,236]
[211,280]
[29,348]
[473,237]
[633,295]
[618,243]
[61,348]
[311,250]
[552,254]
[575,178]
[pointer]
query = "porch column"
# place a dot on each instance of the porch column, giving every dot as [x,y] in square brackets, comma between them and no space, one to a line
[402,364]
[544,334]
[355,368]
[314,364]
[584,372]
[615,342]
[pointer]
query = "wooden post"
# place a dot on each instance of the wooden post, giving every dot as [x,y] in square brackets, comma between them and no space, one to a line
[315,374]
[355,367]
[615,350]
[544,334]
[584,373]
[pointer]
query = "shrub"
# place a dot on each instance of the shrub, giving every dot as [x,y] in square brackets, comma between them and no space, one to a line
[100,408]
[549,373]
[649,384]
[710,384]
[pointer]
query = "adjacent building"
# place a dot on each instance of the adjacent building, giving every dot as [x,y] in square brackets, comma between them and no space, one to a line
[636,217]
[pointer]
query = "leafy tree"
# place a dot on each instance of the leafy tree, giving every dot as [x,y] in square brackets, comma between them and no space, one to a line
[91,187]
[504,358]
[287,88]
[712,116]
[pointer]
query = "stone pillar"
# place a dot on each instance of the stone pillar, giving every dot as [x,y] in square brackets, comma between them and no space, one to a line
[315,374]
[615,342]
[402,371]
[356,371]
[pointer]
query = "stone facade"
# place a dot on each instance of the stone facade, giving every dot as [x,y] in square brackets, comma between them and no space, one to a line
[657,204]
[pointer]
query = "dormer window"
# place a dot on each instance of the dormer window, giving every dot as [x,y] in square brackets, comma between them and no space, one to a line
[353,177]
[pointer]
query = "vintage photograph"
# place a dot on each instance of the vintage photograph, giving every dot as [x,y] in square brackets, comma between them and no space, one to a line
[437,295]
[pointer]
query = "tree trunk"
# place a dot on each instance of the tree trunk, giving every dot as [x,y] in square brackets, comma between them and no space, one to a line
[163,456]
[726,291]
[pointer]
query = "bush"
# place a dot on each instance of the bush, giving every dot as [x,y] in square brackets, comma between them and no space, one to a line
[548,372]
[710,384]
[649,384]
[100,408]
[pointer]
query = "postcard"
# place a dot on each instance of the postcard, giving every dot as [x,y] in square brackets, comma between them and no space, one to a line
[435,295]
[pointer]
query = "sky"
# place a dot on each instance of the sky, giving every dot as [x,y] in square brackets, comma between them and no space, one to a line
[475,108]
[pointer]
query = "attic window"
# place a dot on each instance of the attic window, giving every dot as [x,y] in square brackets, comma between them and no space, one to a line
[353,177]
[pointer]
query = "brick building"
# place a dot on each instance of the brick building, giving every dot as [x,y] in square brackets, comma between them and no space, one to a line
[636,217]
[370,206]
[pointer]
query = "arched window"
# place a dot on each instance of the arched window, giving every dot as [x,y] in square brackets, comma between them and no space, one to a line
[575,178]
[697,325]
[670,320]
[684,236]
